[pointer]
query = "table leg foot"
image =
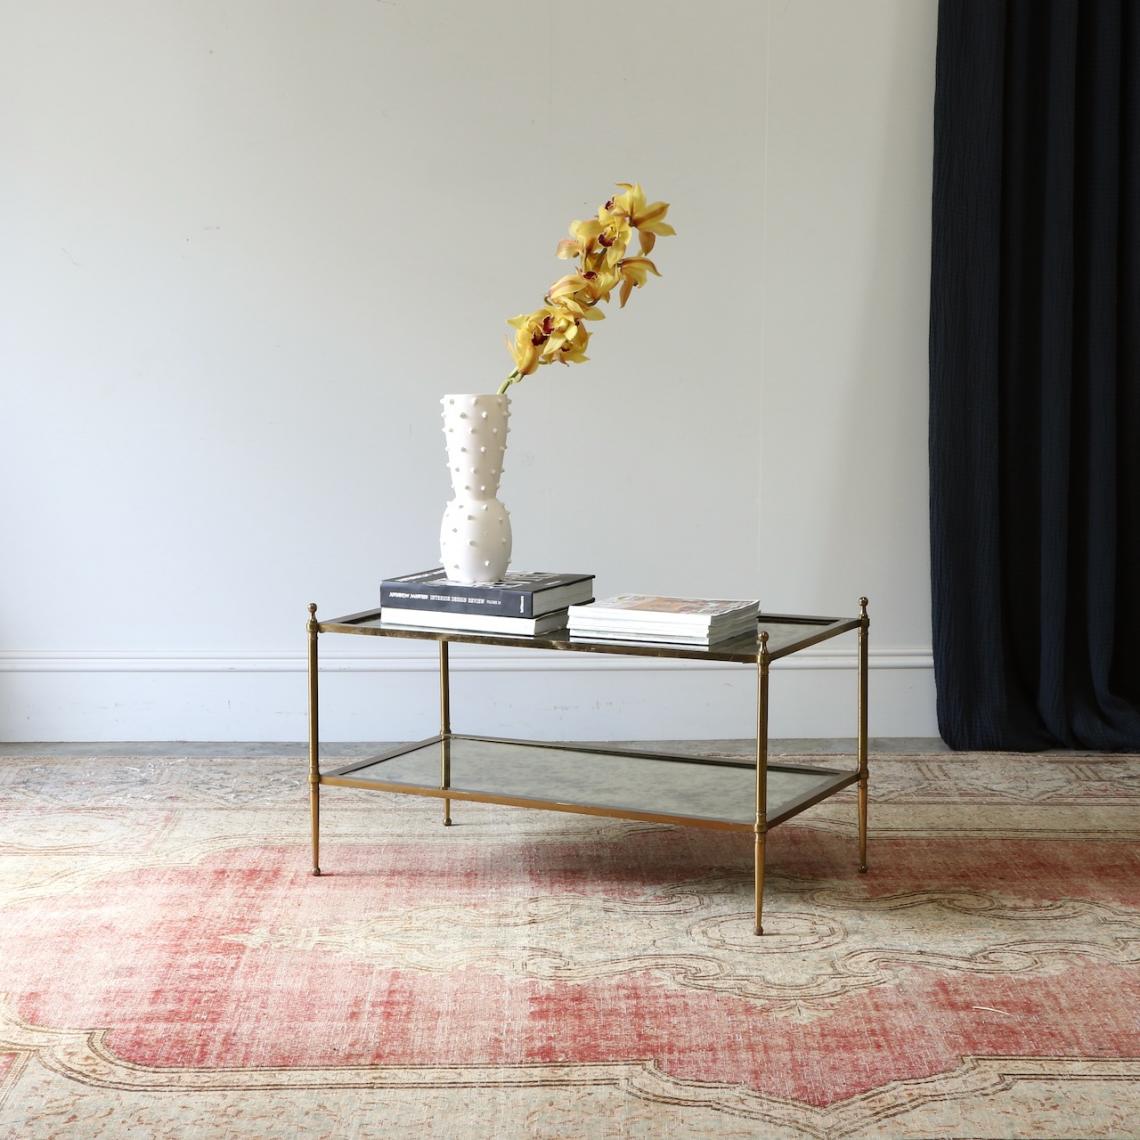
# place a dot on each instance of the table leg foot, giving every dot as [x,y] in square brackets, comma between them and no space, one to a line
[758,911]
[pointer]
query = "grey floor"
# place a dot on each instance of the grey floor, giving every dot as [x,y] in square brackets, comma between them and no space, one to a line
[793,747]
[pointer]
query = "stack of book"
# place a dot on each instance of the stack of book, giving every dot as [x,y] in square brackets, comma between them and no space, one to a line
[646,617]
[522,603]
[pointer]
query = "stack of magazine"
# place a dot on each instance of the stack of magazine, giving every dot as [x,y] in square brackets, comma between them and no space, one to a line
[522,603]
[647,617]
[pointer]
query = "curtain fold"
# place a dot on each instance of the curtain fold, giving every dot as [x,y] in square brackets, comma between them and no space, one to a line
[1034,389]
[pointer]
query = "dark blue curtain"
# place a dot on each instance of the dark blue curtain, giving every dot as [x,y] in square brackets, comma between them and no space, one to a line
[1034,389]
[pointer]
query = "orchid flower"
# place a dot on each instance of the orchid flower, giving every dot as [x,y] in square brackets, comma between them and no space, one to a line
[557,331]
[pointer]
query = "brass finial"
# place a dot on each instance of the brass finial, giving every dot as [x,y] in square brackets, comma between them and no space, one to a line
[312,609]
[763,643]
[863,607]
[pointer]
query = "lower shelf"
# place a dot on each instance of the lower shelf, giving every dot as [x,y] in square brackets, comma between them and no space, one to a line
[657,787]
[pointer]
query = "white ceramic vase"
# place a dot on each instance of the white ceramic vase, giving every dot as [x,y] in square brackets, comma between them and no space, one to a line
[475,535]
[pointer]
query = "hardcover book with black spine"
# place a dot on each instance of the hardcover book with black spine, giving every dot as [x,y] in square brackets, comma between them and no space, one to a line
[519,594]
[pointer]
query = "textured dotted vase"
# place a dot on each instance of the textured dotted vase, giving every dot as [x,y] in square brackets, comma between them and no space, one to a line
[475,536]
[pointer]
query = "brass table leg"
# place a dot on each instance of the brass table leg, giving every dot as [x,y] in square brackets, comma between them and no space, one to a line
[760,828]
[863,631]
[314,769]
[445,729]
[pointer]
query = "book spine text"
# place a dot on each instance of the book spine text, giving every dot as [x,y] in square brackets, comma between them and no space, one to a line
[457,600]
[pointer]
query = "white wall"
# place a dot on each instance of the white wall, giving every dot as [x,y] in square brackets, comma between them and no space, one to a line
[246,247]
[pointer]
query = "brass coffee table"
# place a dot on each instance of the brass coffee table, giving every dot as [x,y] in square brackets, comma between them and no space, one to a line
[732,795]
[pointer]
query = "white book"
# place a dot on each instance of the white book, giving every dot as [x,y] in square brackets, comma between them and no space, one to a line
[670,638]
[690,614]
[471,623]
[651,630]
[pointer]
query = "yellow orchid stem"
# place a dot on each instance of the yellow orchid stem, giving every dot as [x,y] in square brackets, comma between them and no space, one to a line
[597,248]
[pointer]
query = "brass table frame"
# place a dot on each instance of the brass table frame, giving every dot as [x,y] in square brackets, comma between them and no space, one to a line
[787,634]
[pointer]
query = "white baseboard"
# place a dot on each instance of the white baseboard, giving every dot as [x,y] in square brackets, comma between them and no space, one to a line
[261,695]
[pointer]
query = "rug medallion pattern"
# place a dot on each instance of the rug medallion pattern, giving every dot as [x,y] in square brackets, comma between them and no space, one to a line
[170,968]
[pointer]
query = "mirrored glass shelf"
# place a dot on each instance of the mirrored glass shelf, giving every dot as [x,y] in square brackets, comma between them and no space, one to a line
[652,786]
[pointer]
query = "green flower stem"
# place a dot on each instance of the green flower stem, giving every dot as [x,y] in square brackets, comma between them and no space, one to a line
[513,378]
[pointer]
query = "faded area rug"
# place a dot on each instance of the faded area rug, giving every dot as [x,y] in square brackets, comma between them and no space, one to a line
[168,967]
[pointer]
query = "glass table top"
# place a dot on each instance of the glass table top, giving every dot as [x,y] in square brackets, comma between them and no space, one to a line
[787,634]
